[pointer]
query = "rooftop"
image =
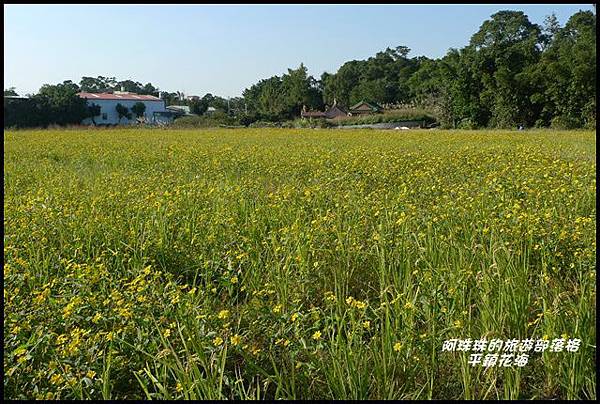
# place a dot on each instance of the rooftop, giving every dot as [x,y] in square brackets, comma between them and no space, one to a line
[122,96]
[371,106]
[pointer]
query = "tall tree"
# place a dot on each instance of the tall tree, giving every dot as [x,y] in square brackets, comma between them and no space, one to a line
[568,72]
[503,50]
[59,104]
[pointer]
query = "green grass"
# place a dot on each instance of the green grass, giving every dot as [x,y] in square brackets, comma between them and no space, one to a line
[272,263]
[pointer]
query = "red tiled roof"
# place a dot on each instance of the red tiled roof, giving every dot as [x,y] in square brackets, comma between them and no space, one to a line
[125,97]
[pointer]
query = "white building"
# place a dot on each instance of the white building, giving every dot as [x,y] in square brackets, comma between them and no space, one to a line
[155,112]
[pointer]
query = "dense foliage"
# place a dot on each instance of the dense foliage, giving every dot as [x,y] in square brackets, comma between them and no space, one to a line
[103,84]
[271,263]
[513,72]
[53,105]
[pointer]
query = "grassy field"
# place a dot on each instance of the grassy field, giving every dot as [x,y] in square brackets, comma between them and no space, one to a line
[276,263]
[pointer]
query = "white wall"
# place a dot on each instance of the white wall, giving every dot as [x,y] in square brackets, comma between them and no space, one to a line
[108,107]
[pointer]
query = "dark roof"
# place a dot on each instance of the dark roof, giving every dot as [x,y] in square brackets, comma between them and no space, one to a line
[373,106]
[335,111]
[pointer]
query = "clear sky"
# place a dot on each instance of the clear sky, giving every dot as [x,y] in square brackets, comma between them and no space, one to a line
[223,49]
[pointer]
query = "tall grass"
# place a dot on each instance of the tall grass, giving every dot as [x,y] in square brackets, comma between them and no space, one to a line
[291,264]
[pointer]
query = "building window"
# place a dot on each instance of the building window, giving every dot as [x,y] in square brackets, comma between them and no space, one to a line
[104,117]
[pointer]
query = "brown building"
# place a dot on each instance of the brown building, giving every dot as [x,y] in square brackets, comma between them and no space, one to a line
[335,111]
[364,108]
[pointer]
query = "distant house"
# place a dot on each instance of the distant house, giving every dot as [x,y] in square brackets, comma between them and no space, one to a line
[210,111]
[335,111]
[364,108]
[155,112]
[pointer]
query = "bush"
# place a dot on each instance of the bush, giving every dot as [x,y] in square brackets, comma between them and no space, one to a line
[391,116]
[205,121]
[264,124]
[320,123]
[565,122]
[466,123]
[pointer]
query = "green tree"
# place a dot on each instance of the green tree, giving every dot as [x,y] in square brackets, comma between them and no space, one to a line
[97,85]
[299,89]
[10,92]
[122,111]
[198,107]
[568,73]
[503,51]
[93,111]
[59,104]
[138,109]
[149,89]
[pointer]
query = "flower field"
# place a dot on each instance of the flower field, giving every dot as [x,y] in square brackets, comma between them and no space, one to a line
[271,263]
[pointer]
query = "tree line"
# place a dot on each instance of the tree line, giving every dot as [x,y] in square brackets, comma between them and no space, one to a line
[512,72]
[57,105]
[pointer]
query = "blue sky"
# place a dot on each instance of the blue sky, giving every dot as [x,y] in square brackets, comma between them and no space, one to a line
[223,49]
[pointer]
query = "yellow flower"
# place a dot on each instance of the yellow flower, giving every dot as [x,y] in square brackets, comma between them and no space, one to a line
[167,333]
[317,335]
[90,374]
[56,379]
[234,280]
[397,347]
[408,305]
[360,304]
[277,308]
[217,341]
[329,296]
[366,325]
[223,314]
[458,324]
[236,340]
[349,300]
[294,317]
[179,387]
